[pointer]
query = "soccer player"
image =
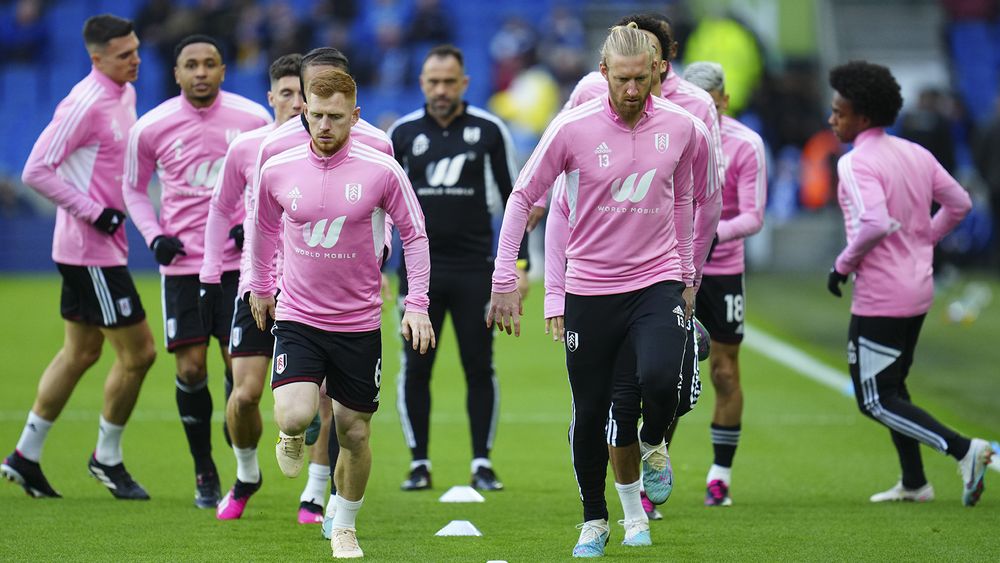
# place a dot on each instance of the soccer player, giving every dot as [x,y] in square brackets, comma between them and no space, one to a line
[333,194]
[886,189]
[459,159]
[630,263]
[626,399]
[293,133]
[721,298]
[76,163]
[184,140]
[249,347]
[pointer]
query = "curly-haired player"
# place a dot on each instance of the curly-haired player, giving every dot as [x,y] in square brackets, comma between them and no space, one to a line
[887,186]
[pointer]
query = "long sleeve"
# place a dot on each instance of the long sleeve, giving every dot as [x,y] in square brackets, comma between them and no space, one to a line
[402,206]
[556,236]
[67,132]
[139,165]
[503,172]
[955,203]
[263,239]
[862,188]
[751,193]
[226,199]
[684,215]
[539,173]
[707,178]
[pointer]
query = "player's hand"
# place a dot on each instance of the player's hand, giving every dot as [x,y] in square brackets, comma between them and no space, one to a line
[166,248]
[523,284]
[554,326]
[262,308]
[834,280]
[236,233]
[418,331]
[535,217]
[109,220]
[506,310]
[711,249]
[209,297]
[689,295]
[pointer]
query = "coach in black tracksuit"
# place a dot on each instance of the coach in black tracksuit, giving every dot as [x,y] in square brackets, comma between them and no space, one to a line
[460,161]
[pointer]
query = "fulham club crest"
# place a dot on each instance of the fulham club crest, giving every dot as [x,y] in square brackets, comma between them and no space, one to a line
[471,135]
[352,192]
[662,142]
[125,306]
[280,363]
[572,341]
[421,144]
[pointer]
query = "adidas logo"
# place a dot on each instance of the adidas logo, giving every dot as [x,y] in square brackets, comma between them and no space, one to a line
[602,149]
[295,193]
[678,310]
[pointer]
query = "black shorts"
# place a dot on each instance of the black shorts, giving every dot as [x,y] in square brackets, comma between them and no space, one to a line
[245,339]
[104,297]
[350,362]
[720,307]
[181,319]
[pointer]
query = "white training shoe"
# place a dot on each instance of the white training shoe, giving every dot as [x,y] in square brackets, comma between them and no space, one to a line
[636,532]
[344,542]
[972,468]
[289,451]
[898,492]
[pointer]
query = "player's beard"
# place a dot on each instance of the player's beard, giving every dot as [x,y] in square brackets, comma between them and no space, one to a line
[443,110]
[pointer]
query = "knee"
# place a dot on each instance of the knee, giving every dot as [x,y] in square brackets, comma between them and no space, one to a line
[353,434]
[244,398]
[725,379]
[191,372]
[292,421]
[83,356]
[141,360]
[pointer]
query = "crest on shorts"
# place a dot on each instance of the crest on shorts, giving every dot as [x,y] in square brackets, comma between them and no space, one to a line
[280,363]
[421,144]
[662,141]
[171,328]
[237,336]
[472,135]
[572,341]
[125,306]
[352,192]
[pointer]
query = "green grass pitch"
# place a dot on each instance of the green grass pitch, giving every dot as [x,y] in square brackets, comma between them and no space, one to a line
[804,469]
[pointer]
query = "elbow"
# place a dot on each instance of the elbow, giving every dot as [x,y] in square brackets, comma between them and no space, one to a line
[33,174]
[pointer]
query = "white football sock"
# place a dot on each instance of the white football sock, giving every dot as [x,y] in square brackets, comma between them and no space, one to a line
[347,512]
[724,474]
[631,502]
[319,476]
[33,436]
[247,469]
[109,443]
[331,506]
[481,462]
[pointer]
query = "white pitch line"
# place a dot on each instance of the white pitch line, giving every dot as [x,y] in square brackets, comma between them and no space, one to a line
[807,366]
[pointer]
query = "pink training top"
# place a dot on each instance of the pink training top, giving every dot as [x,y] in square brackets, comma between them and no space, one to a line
[334,230]
[708,191]
[628,192]
[886,189]
[186,146]
[226,212]
[77,163]
[744,196]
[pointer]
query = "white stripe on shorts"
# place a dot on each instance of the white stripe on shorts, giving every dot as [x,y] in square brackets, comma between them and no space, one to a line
[103,295]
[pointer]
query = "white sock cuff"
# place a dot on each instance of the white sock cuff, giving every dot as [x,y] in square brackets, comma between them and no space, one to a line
[39,422]
[629,487]
[319,471]
[481,462]
[349,504]
[110,426]
[725,474]
[418,462]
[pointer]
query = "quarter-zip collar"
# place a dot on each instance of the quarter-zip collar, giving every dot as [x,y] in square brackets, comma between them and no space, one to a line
[868,134]
[202,112]
[454,122]
[617,120]
[112,87]
[328,162]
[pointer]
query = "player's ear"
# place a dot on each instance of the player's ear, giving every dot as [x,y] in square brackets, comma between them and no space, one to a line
[355,115]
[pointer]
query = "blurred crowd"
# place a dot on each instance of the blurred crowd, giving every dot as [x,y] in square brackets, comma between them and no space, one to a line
[533,65]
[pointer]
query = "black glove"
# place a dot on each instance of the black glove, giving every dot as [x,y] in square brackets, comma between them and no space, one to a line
[711,249]
[109,220]
[209,297]
[165,248]
[834,280]
[236,233]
